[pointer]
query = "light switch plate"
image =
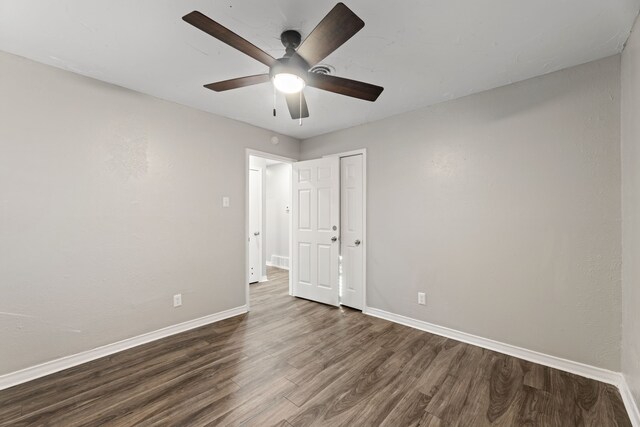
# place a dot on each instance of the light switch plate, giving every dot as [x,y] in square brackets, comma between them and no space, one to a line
[225,202]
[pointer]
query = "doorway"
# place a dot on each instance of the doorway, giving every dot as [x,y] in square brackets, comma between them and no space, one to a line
[307,220]
[268,196]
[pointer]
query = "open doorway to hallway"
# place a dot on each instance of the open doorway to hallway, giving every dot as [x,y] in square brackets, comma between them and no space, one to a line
[269,217]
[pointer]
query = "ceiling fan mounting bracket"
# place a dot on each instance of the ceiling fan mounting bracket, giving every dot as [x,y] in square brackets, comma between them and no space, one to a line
[290,39]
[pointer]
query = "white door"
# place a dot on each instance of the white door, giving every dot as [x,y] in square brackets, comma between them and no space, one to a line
[316,230]
[255,225]
[351,244]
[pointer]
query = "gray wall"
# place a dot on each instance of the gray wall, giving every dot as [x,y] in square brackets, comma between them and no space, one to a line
[504,207]
[631,213]
[110,203]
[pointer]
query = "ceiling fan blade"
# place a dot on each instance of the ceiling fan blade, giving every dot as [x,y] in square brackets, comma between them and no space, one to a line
[293,102]
[211,27]
[342,86]
[336,28]
[239,82]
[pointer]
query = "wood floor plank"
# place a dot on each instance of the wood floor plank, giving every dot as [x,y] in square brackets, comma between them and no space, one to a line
[160,395]
[71,382]
[506,381]
[620,416]
[331,404]
[174,397]
[275,414]
[106,397]
[292,362]
[328,376]
[408,411]
[438,370]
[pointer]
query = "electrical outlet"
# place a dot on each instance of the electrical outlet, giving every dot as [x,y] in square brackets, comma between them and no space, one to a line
[422,298]
[177,300]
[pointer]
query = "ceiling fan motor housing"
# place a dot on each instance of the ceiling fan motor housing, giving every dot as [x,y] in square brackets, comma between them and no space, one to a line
[290,63]
[293,65]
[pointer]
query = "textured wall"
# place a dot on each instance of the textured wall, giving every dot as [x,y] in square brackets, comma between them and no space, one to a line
[110,203]
[504,207]
[631,213]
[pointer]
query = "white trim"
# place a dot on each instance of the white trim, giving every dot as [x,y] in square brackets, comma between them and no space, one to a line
[270,264]
[263,279]
[577,368]
[362,151]
[47,368]
[279,261]
[629,402]
[251,152]
[265,155]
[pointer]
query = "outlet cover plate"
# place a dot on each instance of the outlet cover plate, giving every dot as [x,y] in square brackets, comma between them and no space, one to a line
[422,298]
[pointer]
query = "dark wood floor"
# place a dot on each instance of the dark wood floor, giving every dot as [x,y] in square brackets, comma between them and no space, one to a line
[291,362]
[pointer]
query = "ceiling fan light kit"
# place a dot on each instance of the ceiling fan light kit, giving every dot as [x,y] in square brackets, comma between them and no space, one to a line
[288,83]
[294,71]
[288,78]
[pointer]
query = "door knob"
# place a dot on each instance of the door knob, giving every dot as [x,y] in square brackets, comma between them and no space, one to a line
[256,233]
[357,242]
[334,238]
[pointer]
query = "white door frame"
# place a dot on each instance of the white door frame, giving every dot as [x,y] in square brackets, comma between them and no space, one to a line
[362,151]
[264,155]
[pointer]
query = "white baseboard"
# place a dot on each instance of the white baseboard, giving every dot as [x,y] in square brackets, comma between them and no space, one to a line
[599,374]
[630,403]
[270,264]
[279,261]
[33,372]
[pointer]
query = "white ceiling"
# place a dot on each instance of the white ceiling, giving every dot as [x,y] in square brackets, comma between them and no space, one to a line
[422,51]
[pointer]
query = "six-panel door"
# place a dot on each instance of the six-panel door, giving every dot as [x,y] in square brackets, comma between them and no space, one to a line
[316,229]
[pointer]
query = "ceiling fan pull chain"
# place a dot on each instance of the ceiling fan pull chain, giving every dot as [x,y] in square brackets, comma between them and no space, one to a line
[300,103]
[274,101]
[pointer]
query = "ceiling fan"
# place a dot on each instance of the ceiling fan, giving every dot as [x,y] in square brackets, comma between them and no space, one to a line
[291,73]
